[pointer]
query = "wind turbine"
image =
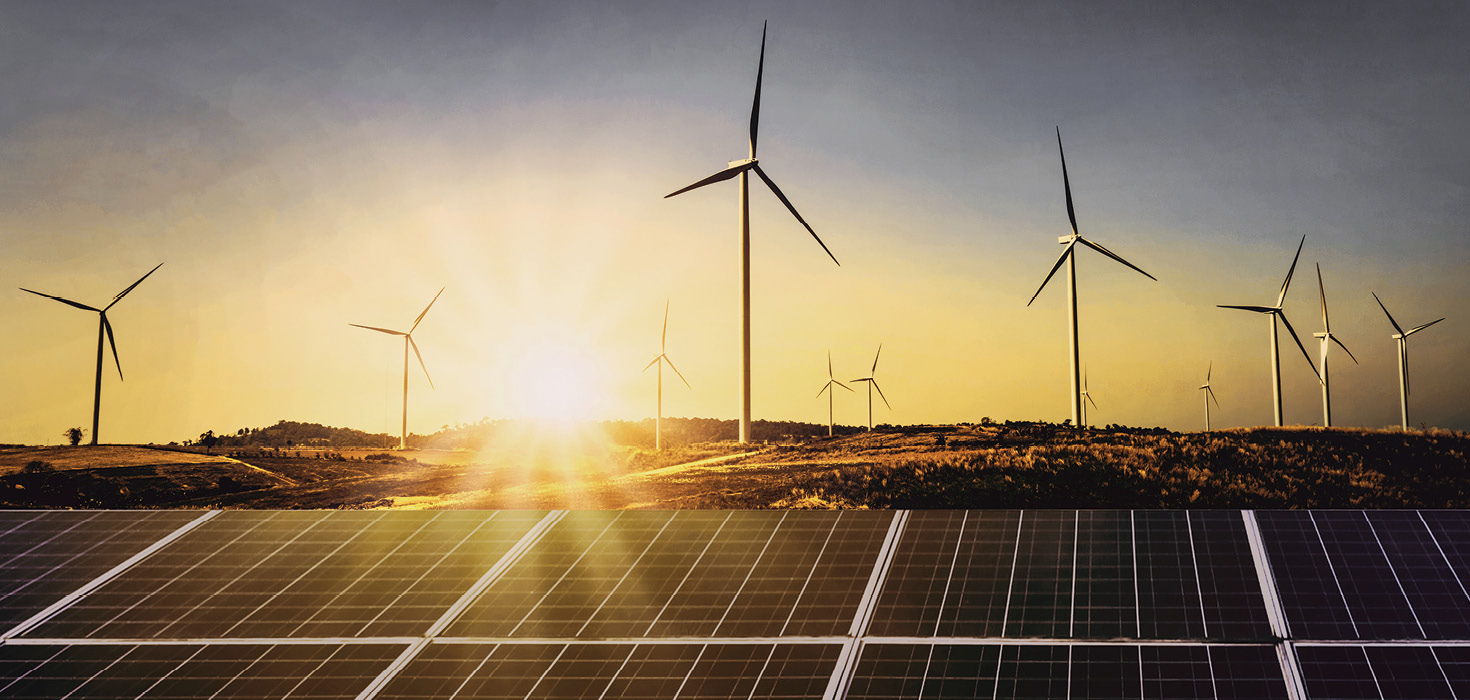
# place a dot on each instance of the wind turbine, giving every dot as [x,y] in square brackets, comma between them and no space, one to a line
[1402,336]
[407,343]
[743,168]
[1209,395]
[104,327]
[827,389]
[873,384]
[1327,338]
[1272,314]
[660,359]
[1086,399]
[1070,258]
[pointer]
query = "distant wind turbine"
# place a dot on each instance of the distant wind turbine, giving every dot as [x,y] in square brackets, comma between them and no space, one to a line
[872,381]
[827,389]
[1086,399]
[1070,258]
[1327,338]
[1272,314]
[1209,395]
[743,168]
[660,360]
[407,343]
[104,327]
[1402,337]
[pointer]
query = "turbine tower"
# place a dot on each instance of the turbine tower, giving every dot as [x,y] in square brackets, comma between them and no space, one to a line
[827,389]
[1086,399]
[407,343]
[873,384]
[1209,395]
[1327,338]
[1272,314]
[1070,258]
[743,168]
[1402,337]
[660,359]
[104,327]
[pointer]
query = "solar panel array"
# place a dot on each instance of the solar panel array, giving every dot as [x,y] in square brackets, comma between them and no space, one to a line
[743,604]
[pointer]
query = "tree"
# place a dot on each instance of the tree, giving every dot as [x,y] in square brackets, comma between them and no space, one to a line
[208,439]
[74,436]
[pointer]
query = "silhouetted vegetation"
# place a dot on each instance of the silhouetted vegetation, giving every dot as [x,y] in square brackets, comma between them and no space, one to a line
[73,436]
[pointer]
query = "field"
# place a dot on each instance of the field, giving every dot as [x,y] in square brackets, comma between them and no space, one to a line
[1005,465]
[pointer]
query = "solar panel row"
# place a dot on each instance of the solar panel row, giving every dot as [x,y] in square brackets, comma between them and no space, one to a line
[1382,672]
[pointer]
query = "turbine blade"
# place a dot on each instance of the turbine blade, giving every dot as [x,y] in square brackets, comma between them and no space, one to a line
[1281,298]
[1099,248]
[1089,400]
[663,339]
[881,396]
[1066,183]
[875,359]
[68,302]
[419,355]
[1060,259]
[425,311]
[834,381]
[1209,370]
[676,370]
[1344,348]
[829,365]
[1211,392]
[825,387]
[1416,329]
[1322,293]
[653,362]
[861,379]
[380,330]
[721,176]
[779,195]
[1386,313]
[124,292]
[111,341]
[755,105]
[1292,331]
[1257,309]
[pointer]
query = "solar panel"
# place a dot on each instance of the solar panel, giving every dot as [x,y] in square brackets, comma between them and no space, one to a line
[298,574]
[1078,671]
[189,671]
[1066,574]
[694,573]
[46,555]
[493,671]
[1383,672]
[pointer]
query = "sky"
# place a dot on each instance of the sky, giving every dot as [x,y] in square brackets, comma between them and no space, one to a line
[302,166]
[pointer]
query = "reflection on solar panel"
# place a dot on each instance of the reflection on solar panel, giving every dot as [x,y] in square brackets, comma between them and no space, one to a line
[298,574]
[704,604]
[486,671]
[298,672]
[686,573]
[45,555]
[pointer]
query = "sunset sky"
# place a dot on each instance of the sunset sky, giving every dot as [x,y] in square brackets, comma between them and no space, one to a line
[302,166]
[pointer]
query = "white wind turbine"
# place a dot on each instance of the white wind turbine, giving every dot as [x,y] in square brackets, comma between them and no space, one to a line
[1086,399]
[104,327]
[1327,338]
[872,381]
[1402,338]
[827,389]
[1069,256]
[743,168]
[1209,395]
[407,343]
[660,360]
[1272,314]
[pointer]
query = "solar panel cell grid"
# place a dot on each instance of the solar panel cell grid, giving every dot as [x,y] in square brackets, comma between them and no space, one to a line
[1168,588]
[298,574]
[1434,589]
[1234,607]
[1306,580]
[187,672]
[47,555]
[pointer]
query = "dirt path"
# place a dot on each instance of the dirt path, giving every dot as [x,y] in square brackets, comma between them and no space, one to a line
[285,480]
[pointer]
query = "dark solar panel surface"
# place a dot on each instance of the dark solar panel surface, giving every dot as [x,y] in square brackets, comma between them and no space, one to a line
[487,671]
[685,573]
[1372,575]
[46,555]
[1061,671]
[299,574]
[1066,574]
[189,672]
[1379,672]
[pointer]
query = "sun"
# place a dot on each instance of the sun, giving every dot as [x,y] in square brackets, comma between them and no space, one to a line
[555,379]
